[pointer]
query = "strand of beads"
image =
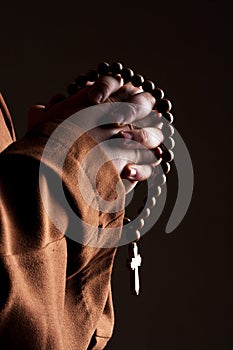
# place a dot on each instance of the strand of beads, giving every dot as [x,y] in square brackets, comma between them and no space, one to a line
[164,154]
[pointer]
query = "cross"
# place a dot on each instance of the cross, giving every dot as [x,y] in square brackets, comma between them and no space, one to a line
[134,265]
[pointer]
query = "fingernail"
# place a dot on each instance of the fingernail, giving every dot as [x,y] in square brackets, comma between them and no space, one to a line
[132,173]
[96,96]
[129,173]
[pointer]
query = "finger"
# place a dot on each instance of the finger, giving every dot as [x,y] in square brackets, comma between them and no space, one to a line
[135,172]
[148,137]
[136,108]
[144,98]
[122,152]
[103,88]
[58,107]
[125,92]
[152,119]
[138,155]
[70,105]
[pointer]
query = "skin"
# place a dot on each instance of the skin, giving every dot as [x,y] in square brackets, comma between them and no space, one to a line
[109,89]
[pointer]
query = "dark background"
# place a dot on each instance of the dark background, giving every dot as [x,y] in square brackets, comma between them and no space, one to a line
[186,47]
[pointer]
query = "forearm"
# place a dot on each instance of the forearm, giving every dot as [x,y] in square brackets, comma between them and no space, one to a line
[39,266]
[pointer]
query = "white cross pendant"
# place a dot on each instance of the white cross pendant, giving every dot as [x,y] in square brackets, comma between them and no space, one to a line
[134,264]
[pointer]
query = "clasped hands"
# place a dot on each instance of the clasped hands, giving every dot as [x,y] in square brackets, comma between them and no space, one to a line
[138,112]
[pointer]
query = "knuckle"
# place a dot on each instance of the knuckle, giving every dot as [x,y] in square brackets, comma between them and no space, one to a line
[137,155]
[143,136]
[149,98]
[144,170]
[132,112]
[129,111]
[105,85]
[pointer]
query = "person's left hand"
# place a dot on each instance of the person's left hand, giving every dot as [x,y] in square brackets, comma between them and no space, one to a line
[110,89]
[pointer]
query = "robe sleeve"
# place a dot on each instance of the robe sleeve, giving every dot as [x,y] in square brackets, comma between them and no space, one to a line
[55,291]
[7,132]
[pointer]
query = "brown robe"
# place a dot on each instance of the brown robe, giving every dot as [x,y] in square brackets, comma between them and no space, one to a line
[54,293]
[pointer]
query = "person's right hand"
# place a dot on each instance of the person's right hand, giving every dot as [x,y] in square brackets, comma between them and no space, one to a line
[138,111]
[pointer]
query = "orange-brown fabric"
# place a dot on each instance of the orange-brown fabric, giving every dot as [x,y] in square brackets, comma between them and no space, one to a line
[7,133]
[54,293]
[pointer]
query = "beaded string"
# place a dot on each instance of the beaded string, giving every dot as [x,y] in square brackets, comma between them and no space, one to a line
[164,154]
[162,105]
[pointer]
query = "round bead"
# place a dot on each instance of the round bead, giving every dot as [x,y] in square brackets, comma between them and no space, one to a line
[168,156]
[164,106]
[138,235]
[158,162]
[126,221]
[160,180]
[166,167]
[157,152]
[147,212]
[163,180]
[92,75]
[148,86]
[170,143]
[137,80]
[167,130]
[157,191]
[152,203]
[72,88]
[81,80]
[158,94]
[141,223]
[103,68]
[127,74]
[116,68]
[169,117]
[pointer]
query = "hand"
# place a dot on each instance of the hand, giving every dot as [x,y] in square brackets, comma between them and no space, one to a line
[109,89]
